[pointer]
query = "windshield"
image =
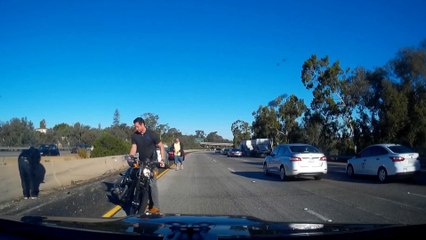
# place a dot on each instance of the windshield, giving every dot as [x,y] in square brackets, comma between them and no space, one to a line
[304,149]
[218,85]
[401,149]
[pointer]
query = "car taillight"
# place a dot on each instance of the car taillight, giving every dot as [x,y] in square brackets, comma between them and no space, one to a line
[397,159]
[323,158]
[295,159]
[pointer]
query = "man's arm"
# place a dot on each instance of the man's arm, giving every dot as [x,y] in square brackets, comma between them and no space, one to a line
[161,146]
[133,150]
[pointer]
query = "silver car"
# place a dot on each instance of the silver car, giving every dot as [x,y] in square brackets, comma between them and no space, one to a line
[384,160]
[235,152]
[296,160]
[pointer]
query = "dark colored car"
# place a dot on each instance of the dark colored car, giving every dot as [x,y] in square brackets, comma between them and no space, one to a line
[262,151]
[49,150]
[225,151]
[87,147]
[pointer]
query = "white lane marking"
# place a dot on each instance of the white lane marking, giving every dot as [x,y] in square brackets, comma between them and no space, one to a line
[214,160]
[416,194]
[231,170]
[318,215]
[397,203]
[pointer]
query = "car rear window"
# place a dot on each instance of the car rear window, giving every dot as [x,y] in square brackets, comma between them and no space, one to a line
[401,149]
[304,149]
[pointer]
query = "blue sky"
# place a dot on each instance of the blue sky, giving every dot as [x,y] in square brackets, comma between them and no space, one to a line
[198,65]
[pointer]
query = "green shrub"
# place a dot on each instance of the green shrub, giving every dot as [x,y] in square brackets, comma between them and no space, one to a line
[83,153]
[108,145]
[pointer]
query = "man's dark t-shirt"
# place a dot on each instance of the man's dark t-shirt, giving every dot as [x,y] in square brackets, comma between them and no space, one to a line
[146,144]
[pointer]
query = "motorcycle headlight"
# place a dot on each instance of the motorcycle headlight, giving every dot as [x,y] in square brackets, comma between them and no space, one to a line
[146,172]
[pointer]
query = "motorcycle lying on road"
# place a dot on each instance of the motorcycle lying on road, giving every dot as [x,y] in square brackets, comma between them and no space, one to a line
[134,185]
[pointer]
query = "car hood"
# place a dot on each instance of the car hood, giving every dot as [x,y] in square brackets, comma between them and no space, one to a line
[174,226]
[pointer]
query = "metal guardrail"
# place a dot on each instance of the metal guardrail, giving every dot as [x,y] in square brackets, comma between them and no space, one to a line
[13,149]
[18,149]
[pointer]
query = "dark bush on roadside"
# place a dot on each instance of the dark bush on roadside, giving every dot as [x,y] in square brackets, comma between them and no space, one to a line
[83,153]
[108,145]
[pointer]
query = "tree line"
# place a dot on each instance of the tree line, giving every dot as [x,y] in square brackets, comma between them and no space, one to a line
[20,132]
[350,109]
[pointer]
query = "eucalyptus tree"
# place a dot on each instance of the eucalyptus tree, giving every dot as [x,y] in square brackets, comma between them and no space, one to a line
[162,130]
[81,133]
[214,137]
[329,86]
[409,66]
[288,113]
[266,124]
[170,136]
[241,131]
[151,120]
[200,134]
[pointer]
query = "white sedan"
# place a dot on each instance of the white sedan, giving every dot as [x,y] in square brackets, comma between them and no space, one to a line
[296,160]
[383,161]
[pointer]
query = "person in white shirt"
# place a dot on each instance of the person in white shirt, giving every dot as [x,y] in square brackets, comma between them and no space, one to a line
[179,154]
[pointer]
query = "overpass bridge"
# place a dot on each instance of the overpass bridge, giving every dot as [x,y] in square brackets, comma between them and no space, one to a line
[215,144]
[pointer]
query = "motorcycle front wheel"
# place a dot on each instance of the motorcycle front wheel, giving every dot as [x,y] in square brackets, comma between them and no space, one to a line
[139,203]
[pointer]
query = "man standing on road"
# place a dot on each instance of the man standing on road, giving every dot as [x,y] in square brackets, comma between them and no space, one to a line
[179,154]
[29,171]
[145,141]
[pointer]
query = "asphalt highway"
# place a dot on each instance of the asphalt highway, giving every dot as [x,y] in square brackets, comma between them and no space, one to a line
[213,184]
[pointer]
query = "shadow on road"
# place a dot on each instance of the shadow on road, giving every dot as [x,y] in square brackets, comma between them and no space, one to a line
[108,186]
[262,176]
[418,179]
[256,175]
[254,163]
[111,198]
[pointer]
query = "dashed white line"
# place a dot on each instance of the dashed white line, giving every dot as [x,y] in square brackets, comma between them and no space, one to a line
[416,194]
[318,215]
[231,170]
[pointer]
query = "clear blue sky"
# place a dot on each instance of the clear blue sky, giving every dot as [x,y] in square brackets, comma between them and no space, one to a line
[199,65]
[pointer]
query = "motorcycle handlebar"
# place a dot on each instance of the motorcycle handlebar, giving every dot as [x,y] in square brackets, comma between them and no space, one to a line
[135,162]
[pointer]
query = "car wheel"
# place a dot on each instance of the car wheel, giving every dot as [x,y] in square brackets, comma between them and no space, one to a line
[350,171]
[318,177]
[283,177]
[265,169]
[382,175]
